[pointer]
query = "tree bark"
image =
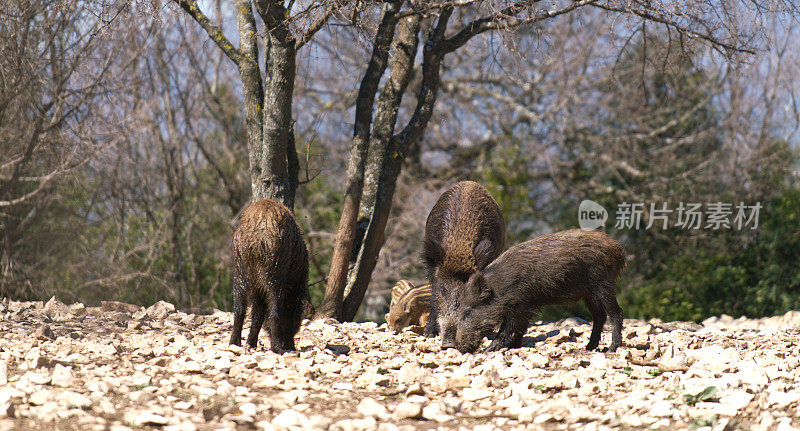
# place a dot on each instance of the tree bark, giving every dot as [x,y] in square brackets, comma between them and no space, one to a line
[383,167]
[331,305]
[273,159]
[433,52]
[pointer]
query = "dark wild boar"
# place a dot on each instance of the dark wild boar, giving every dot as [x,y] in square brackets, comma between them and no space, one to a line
[465,231]
[410,305]
[558,268]
[270,271]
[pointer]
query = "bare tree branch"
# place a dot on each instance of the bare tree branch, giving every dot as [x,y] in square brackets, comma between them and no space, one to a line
[653,16]
[214,32]
[317,24]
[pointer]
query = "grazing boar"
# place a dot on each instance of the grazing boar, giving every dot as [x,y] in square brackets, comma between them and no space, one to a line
[464,231]
[409,305]
[270,271]
[558,268]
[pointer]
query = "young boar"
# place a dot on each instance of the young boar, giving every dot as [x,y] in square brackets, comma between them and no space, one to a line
[558,268]
[464,231]
[409,306]
[270,271]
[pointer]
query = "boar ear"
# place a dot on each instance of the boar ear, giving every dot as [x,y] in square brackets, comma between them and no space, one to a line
[483,254]
[477,281]
[486,293]
[432,252]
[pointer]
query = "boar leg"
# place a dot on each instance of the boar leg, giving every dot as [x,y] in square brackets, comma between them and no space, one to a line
[432,328]
[615,315]
[518,325]
[285,330]
[239,309]
[256,319]
[503,338]
[277,317]
[598,320]
[512,330]
[290,322]
[424,318]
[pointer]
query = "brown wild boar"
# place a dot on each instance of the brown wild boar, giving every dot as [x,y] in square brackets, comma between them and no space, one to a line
[409,306]
[464,231]
[558,268]
[270,271]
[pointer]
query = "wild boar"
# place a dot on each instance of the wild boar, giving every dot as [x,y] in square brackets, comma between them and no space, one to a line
[270,271]
[464,231]
[558,268]
[409,306]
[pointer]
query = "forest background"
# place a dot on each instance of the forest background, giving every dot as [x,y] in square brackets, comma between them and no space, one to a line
[128,146]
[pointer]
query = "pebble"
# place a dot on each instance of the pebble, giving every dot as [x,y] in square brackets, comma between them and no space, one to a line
[407,410]
[290,419]
[370,407]
[119,366]
[61,376]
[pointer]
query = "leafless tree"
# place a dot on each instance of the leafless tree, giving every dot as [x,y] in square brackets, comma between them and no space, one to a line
[173,181]
[55,68]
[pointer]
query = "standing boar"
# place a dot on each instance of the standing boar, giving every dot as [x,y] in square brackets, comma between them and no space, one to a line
[558,268]
[270,270]
[465,231]
[410,305]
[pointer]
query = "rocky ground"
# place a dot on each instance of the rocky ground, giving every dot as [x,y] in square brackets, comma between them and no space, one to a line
[120,366]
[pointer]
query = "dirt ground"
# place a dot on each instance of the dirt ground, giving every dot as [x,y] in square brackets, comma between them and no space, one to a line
[120,366]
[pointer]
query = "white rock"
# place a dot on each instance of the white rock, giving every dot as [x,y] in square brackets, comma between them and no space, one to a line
[57,310]
[631,420]
[40,397]
[736,400]
[74,400]
[289,419]
[781,399]
[537,360]
[752,374]
[144,418]
[370,407]
[106,407]
[527,413]
[673,359]
[599,361]
[248,409]
[61,376]
[436,412]
[410,373]
[3,372]
[661,409]
[160,310]
[472,394]
[342,386]
[785,424]
[222,363]
[407,410]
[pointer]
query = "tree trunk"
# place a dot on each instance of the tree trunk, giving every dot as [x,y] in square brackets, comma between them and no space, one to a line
[268,105]
[384,164]
[433,53]
[331,305]
[272,174]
